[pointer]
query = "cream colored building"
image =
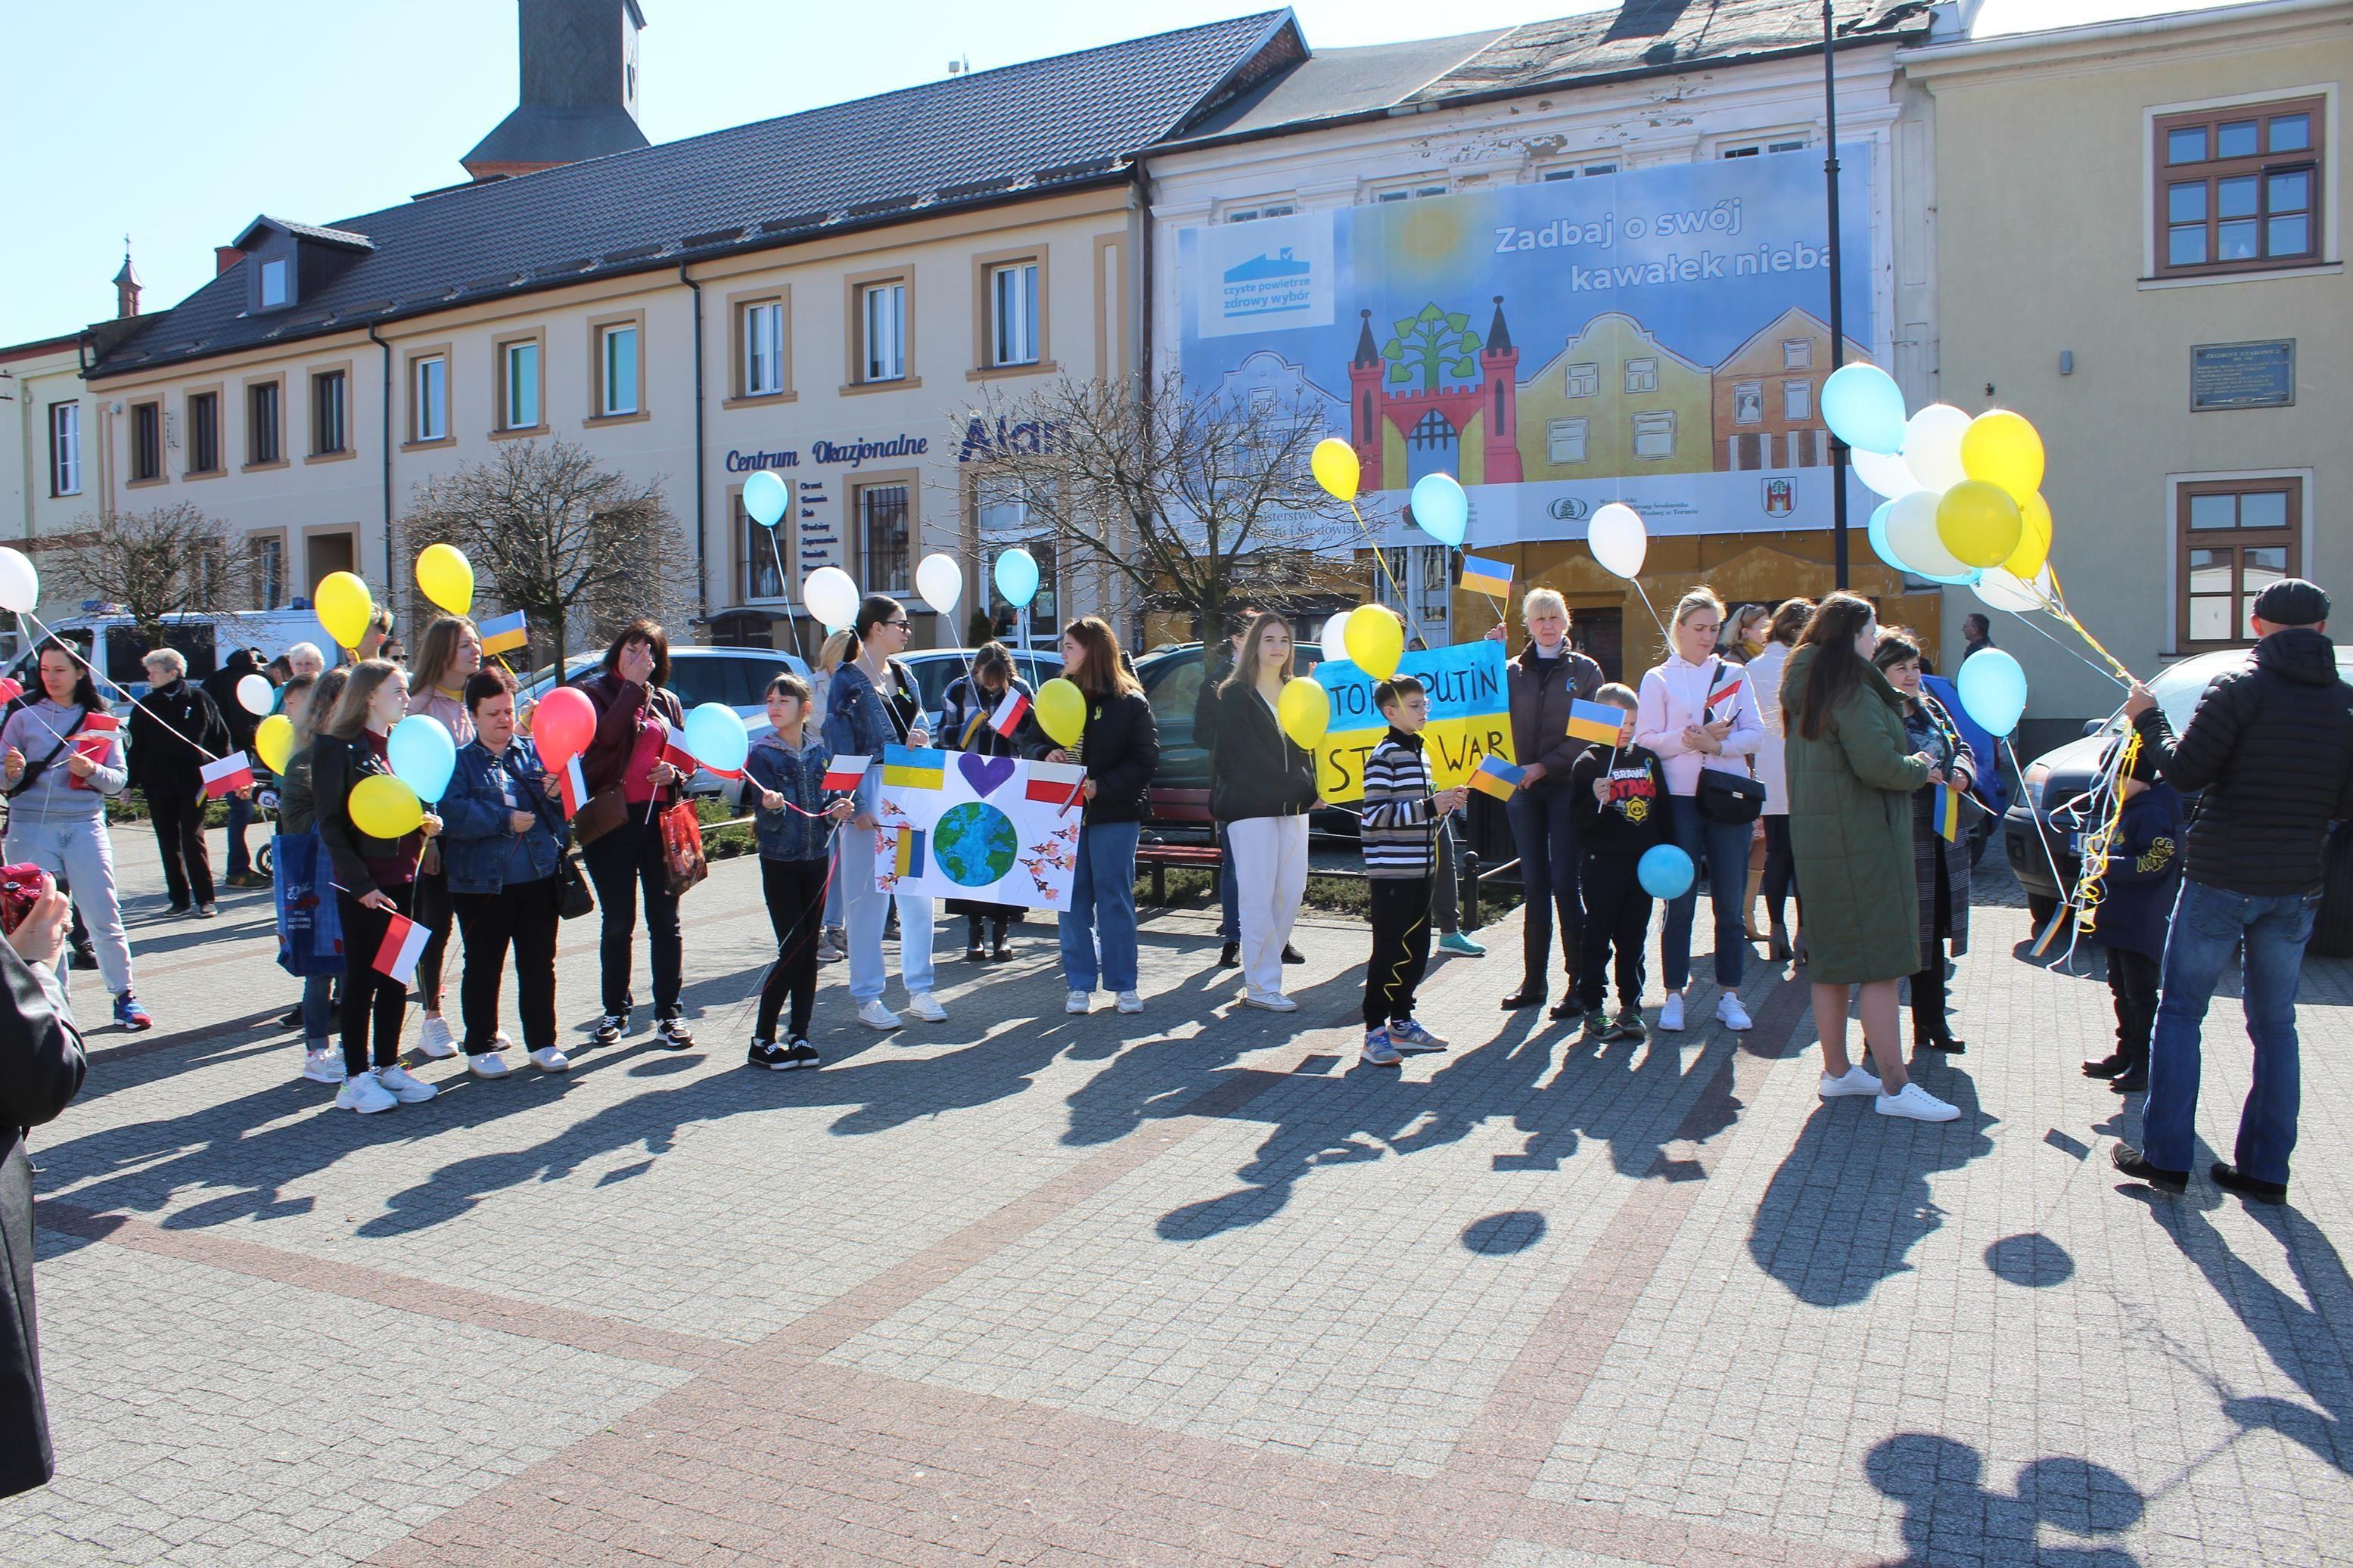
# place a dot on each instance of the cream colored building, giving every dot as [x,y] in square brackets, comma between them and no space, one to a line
[2140,249]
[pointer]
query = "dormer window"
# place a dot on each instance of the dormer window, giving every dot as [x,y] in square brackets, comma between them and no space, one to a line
[276,290]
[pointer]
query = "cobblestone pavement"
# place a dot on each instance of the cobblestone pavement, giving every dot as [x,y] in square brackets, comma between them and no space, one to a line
[1196,1287]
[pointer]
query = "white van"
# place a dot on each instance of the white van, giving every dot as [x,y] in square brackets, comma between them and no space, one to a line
[114,646]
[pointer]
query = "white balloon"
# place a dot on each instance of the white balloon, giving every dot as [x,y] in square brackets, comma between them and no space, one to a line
[1618,539]
[1335,637]
[1912,531]
[831,596]
[255,694]
[1931,446]
[20,584]
[940,581]
[1886,474]
[2005,590]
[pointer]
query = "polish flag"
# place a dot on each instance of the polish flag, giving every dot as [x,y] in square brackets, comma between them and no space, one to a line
[572,785]
[674,750]
[404,941]
[94,741]
[1009,713]
[844,772]
[226,776]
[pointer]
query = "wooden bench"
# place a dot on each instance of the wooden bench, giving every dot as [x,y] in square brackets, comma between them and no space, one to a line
[1184,807]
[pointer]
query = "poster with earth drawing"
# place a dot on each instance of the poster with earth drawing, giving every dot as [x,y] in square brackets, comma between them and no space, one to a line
[953,824]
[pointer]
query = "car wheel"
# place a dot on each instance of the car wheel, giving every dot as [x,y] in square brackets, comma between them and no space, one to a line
[2332,928]
[2040,909]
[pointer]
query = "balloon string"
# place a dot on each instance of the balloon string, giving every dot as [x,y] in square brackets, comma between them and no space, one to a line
[1404,603]
[783,586]
[2059,594]
[67,644]
[2034,810]
[1667,642]
[2075,653]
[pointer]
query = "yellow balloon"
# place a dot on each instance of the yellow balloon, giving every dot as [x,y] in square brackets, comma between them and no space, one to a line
[1337,469]
[384,807]
[1375,640]
[2002,449]
[1978,523]
[1305,711]
[1061,711]
[344,606]
[445,577]
[2033,540]
[274,739]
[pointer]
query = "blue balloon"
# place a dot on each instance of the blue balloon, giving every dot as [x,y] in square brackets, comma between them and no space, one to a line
[1878,532]
[1440,509]
[1993,690]
[422,754]
[763,498]
[717,738]
[1665,871]
[1864,408]
[1016,576]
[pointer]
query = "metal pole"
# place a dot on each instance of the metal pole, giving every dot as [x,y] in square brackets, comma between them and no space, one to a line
[1838,291]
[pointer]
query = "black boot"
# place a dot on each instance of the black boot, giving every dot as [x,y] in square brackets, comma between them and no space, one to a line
[973,951]
[1531,993]
[999,951]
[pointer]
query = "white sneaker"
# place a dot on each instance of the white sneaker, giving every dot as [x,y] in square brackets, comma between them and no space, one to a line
[875,1015]
[1272,1001]
[435,1038]
[1671,1015]
[364,1094]
[1854,1080]
[324,1064]
[549,1059]
[504,1044]
[1917,1104]
[1731,1014]
[1129,1002]
[926,1006]
[407,1089]
[1078,1002]
[487,1064]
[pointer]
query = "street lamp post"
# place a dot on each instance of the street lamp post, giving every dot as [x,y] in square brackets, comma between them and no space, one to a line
[1838,291]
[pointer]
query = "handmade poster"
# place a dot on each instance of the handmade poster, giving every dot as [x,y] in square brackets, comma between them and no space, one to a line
[999,830]
[1469,716]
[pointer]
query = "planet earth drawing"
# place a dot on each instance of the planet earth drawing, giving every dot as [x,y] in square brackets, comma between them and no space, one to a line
[974,843]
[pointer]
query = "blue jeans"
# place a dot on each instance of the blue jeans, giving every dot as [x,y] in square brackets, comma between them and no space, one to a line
[1546,836]
[1102,910]
[1229,920]
[2207,923]
[241,817]
[1725,846]
[318,1010]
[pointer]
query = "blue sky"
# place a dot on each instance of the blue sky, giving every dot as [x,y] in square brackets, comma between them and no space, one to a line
[167,121]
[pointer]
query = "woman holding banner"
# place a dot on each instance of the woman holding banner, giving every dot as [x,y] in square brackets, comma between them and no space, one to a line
[1547,677]
[1261,787]
[448,657]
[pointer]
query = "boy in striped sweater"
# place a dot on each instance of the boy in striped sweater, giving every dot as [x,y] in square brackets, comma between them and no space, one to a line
[1402,811]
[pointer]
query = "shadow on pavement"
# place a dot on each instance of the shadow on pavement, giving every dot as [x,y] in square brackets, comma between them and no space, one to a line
[1950,1516]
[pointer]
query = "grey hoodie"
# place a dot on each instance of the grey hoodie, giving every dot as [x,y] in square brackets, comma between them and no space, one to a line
[35,730]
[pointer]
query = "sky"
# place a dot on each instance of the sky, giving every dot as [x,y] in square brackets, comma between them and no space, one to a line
[154,119]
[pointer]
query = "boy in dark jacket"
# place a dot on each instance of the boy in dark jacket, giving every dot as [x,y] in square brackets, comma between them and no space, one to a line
[784,779]
[1618,799]
[2143,877]
[1402,809]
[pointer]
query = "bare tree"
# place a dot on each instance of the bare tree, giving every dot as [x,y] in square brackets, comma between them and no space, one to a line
[1197,500]
[580,550]
[168,561]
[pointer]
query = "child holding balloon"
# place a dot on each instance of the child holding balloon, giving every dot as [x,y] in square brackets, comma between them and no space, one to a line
[783,782]
[1618,799]
[449,657]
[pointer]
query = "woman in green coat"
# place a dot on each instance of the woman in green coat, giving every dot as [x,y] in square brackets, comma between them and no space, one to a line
[1852,776]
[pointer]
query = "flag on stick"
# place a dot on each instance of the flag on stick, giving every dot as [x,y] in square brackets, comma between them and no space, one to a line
[95,741]
[1058,782]
[226,776]
[1595,721]
[1724,693]
[674,750]
[404,942]
[1497,777]
[844,772]
[572,786]
[1949,813]
[1492,578]
[1010,712]
[505,634]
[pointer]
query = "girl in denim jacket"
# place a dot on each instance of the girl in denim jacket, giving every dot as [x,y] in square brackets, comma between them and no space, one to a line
[783,782]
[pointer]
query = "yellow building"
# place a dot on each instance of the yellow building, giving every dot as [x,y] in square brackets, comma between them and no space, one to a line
[1615,400]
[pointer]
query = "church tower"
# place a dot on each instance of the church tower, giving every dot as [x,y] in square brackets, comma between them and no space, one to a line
[579,88]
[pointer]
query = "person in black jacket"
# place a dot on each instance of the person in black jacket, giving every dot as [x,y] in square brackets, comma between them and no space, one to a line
[2271,747]
[221,686]
[1217,661]
[1618,799]
[175,731]
[41,1068]
[1261,787]
[1120,747]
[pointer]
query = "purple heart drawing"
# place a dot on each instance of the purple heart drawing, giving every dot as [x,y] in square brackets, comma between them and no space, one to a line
[984,774]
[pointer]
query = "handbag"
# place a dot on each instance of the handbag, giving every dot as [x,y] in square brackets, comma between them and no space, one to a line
[682,849]
[1724,795]
[599,814]
[573,899]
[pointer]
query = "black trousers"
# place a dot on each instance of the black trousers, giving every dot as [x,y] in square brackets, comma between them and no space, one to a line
[373,1001]
[1617,917]
[794,893]
[180,835]
[521,915]
[2132,982]
[435,912]
[1401,948]
[622,862]
[1780,869]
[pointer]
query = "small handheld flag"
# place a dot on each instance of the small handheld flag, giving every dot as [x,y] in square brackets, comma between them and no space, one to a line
[1057,782]
[572,785]
[1009,713]
[844,772]
[907,768]
[505,634]
[1497,777]
[907,858]
[96,740]
[971,728]
[404,943]
[226,776]
[674,749]
[1595,721]
[1725,692]
[1949,813]
[1492,578]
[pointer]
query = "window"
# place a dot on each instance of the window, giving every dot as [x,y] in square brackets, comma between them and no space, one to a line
[1013,313]
[617,371]
[204,432]
[2237,538]
[1643,374]
[428,418]
[1584,381]
[1779,144]
[1748,402]
[275,289]
[270,570]
[2239,187]
[330,434]
[882,328]
[1564,441]
[1265,209]
[263,443]
[759,557]
[65,448]
[1654,434]
[1574,171]
[1409,193]
[763,349]
[1797,353]
[1797,400]
[882,537]
[1004,522]
[146,442]
[519,384]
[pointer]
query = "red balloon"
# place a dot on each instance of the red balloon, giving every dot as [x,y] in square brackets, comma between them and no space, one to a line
[561,725]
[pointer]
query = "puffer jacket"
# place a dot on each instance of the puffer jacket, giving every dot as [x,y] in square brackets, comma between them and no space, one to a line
[1851,832]
[2271,747]
[1542,690]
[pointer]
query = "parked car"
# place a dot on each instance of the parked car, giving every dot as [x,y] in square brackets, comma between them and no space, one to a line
[736,677]
[113,645]
[2054,799]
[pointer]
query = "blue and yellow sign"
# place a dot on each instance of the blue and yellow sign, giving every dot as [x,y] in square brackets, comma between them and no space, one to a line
[1469,716]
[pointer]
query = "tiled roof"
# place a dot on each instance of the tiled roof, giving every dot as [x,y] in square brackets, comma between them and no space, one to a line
[968,140]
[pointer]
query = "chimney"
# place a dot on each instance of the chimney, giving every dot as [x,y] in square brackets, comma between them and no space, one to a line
[578,93]
[225,256]
[126,286]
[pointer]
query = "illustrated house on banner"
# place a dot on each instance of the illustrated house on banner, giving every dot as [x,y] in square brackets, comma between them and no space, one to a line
[1768,396]
[1615,400]
[1427,426]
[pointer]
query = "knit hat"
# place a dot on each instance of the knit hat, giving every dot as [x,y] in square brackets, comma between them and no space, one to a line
[2292,602]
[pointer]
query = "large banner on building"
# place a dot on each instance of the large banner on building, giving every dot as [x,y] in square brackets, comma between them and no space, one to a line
[1657,337]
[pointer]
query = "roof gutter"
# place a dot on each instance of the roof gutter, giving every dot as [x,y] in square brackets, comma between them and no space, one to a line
[385,440]
[2095,34]
[702,477]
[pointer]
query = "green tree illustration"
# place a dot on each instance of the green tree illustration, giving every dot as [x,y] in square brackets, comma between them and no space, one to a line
[1436,342]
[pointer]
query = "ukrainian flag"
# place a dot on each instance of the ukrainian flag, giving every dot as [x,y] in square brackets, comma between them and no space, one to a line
[1497,777]
[1492,578]
[907,768]
[1949,813]
[907,859]
[504,635]
[1595,721]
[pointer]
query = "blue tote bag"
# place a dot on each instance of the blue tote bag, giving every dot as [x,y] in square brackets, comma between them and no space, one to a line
[310,930]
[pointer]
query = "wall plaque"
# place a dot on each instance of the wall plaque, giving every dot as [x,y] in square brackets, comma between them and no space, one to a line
[2242,375]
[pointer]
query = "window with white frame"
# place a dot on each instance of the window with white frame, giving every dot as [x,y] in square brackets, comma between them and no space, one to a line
[882,329]
[1579,171]
[1565,440]
[1583,380]
[65,448]
[1797,400]
[1263,209]
[429,399]
[617,371]
[1643,374]
[759,556]
[1013,313]
[1797,353]
[519,385]
[1654,434]
[1002,515]
[763,349]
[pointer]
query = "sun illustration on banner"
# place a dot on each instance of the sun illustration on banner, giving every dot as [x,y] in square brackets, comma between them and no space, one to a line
[974,844]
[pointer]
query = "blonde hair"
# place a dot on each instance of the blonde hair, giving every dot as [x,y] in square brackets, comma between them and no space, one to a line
[842,646]
[1543,599]
[1701,597]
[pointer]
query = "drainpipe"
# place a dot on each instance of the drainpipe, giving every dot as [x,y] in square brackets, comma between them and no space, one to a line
[701,480]
[385,439]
